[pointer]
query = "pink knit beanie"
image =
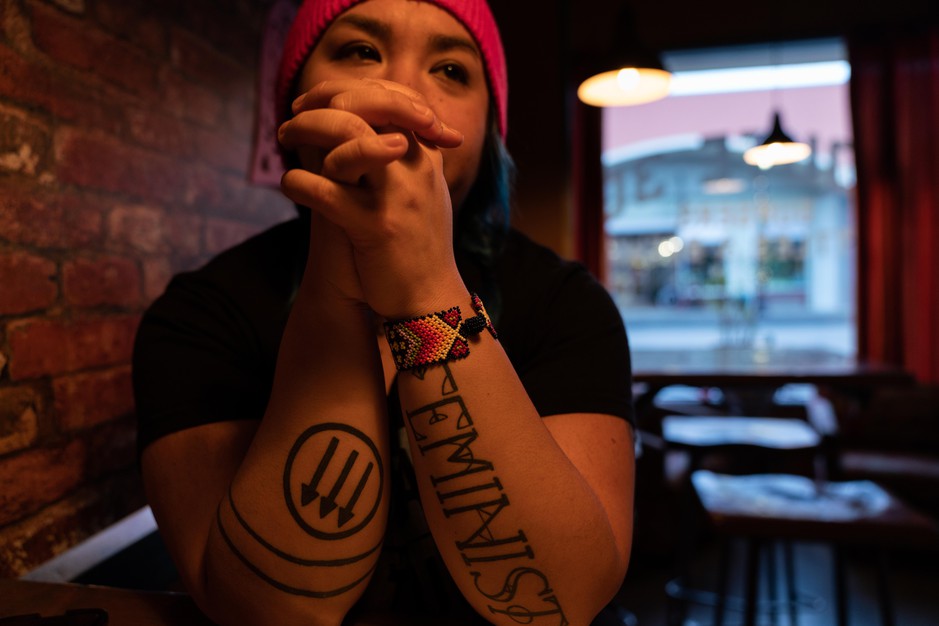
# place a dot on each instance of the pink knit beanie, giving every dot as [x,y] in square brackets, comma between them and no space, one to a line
[315,16]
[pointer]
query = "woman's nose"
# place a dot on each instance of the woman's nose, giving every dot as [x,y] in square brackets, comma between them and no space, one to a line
[406,74]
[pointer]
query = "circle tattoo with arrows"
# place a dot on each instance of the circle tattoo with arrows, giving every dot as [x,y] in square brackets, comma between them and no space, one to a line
[333,480]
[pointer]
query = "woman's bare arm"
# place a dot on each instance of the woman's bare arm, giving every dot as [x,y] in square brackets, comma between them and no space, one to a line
[282,521]
[522,517]
[533,517]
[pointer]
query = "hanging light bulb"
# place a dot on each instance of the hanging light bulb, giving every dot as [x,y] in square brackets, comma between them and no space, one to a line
[625,86]
[630,74]
[777,149]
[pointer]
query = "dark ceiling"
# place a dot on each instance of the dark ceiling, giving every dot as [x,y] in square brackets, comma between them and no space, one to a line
[676,24]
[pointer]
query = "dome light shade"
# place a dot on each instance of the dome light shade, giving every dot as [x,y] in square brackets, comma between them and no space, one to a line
[625,86]
[626,73]
[777,149]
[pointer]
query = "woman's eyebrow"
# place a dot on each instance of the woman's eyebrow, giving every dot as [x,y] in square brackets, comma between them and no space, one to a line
[445,43]
[375,28]
[383,31]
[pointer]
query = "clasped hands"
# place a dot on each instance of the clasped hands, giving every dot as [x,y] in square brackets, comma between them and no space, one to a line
[372,173]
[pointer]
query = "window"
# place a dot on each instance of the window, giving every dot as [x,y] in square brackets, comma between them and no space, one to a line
[705,252]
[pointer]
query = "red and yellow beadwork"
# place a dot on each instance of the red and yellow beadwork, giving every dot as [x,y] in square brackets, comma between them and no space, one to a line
[437,337]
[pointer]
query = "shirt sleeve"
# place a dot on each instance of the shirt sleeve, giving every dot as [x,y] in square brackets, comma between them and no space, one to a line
[570,349]
[196,361]
[206,349]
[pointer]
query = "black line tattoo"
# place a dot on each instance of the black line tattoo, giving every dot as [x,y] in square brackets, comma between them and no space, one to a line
[461,456]
[449,383]
[445,427]
[317,454]
[448,386]
[446,495]
[308,491]
[270,580]
[289,557]
[510,589]
[436,412]
[353,491]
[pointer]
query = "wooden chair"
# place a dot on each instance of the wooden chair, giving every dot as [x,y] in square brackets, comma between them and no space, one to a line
[767,508]
[892,439]
[741,445]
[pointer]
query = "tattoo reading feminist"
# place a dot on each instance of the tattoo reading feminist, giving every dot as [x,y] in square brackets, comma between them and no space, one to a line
[469,489]
[332,483]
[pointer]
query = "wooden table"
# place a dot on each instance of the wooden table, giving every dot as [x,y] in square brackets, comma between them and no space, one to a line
[742,365]
[126,607]
[752,376]
[694,432]
[769,507]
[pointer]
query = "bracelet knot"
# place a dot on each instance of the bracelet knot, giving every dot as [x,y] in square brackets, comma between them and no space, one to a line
[437,337]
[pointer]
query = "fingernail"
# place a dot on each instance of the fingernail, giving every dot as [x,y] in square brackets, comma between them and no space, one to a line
[296,103]
[453,133]
[392,141]
[423,109]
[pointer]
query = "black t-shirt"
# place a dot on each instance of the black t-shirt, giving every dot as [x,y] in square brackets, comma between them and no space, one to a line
[206,351]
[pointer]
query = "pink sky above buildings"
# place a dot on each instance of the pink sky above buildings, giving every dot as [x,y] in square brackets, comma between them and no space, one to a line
[819,112]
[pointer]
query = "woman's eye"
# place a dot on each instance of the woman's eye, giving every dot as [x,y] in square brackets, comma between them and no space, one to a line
[360,51]
[454,72]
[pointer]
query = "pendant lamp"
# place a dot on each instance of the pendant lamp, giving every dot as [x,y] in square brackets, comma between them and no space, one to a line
[777,149]
[630,74]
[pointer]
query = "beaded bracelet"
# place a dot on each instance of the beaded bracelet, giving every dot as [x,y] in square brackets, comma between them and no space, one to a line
[436,338]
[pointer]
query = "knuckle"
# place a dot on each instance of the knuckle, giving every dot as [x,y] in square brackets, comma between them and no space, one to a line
[375,82]
[324,87]
[341,101]
[346,127]
[290,185]
[288,179]
[385,227]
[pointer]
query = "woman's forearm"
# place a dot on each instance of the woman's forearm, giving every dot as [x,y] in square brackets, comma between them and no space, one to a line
[305,515]
[521,531]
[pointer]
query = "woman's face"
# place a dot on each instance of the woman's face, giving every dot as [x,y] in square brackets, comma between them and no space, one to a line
[421,46]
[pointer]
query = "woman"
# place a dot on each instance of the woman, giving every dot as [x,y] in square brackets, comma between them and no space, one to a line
[331,421]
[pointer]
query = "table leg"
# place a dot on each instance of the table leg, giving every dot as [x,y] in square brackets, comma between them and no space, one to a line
[752,582]
[841,592]
[789,564]
[773,591]
[883,588]
[721,587]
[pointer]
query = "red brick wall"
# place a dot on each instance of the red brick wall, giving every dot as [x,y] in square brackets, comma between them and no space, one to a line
[125,135]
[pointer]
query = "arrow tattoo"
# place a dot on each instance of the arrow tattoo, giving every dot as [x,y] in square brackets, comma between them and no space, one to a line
[345,512]
[328,503]
[309,491]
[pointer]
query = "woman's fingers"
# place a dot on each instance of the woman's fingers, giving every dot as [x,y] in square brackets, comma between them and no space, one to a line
[324,128]
[381,104]
[320,94]
[310,190]
[340,145]
[349,162]
[315,134]
[333,201]
[382,108]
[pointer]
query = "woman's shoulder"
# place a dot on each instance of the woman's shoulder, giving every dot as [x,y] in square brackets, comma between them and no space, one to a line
[519,246]
[268,263]
[271,251]
[246,288]
[534,279]
[530,267]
